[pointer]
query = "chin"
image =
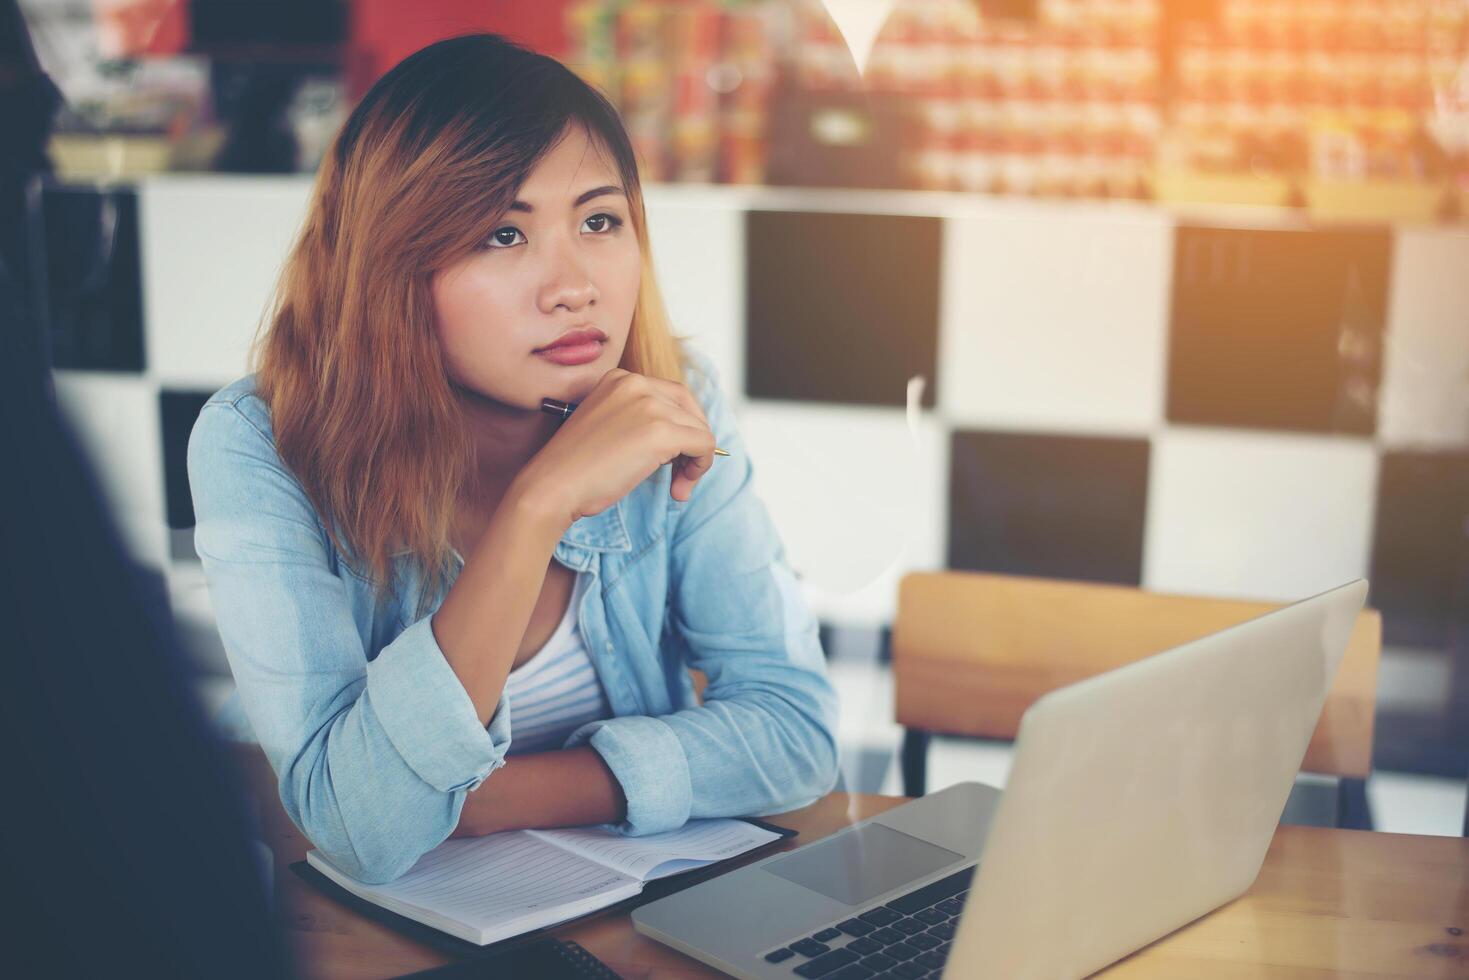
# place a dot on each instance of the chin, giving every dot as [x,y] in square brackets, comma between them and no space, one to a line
[572,389]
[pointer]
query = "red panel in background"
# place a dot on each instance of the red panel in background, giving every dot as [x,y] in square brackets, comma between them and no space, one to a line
[137,28]
[384,32]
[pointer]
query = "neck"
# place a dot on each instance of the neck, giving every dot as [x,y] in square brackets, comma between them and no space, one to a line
[504,438]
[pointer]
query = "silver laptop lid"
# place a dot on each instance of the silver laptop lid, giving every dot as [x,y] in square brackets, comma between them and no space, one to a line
[1142,798]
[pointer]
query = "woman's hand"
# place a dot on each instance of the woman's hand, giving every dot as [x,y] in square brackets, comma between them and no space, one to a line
[627,427]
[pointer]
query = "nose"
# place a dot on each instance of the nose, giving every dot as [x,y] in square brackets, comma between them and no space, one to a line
[566,282]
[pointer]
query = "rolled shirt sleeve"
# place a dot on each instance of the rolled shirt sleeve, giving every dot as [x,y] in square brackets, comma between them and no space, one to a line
[650,764]
[429,717]
[373,757]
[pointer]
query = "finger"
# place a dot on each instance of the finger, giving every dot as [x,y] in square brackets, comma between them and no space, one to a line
[680,395]
[696,466]
[694,455]
[681,489]
[664,407]
[686,473]
[675,439]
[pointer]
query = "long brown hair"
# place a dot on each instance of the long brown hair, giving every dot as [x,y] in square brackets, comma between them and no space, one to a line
[361,403]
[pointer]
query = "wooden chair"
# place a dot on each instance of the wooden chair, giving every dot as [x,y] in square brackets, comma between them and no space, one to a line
[972,651]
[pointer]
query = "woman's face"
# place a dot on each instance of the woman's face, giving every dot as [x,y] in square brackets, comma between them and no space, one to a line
[564,258]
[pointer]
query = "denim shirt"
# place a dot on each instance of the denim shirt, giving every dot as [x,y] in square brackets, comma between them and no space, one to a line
[375,742]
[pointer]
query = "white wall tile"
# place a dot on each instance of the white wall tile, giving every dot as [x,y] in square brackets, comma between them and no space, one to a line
[1404,803]
[959,760]
[856,500]
[212,250]
[1425,385]
[115,419]
[1257,515]
[699,255]
[1055,321]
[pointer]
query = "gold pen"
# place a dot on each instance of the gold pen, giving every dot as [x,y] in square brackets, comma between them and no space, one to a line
[564,409]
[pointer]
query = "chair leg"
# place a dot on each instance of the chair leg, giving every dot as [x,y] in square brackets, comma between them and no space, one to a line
[915,761]
[1352,809]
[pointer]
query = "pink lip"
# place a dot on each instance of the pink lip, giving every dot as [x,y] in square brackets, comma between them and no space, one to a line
[578,346]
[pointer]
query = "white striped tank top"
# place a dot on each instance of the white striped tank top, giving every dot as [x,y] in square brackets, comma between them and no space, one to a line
[557,689]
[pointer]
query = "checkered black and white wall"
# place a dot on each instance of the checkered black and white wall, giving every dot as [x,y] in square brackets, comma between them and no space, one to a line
[1223,404]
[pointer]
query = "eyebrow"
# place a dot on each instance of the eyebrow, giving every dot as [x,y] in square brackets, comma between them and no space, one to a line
[583,198]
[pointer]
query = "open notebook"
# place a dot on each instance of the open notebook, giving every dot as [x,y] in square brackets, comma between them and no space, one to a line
[484,889]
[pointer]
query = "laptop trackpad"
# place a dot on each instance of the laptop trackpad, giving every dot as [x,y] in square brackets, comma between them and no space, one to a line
[856,866]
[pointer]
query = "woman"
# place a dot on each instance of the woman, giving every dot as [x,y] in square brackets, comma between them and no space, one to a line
[447,611]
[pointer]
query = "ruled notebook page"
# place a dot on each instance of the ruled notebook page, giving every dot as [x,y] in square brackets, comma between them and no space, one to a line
[493,887]
[644,858]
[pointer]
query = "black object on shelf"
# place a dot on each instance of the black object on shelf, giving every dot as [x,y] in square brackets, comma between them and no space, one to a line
[838,138]
[261,52]
[86,275]
[215,25]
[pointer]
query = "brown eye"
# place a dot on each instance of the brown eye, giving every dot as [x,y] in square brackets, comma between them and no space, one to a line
[609,222]
[503,237]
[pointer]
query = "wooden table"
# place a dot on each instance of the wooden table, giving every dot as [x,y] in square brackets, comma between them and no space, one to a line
[1328,903]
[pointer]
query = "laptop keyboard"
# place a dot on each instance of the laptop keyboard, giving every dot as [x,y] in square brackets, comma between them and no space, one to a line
[907,938]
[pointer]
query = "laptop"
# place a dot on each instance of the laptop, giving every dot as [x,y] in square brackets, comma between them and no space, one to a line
[1137,801]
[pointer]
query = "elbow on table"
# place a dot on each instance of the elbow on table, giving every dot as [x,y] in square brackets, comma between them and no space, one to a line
[825,767]
[371,854]
[814,772]
[374,863]
[807,784]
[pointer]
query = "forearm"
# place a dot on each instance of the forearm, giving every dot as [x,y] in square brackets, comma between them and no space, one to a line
[565,788]
[482,620]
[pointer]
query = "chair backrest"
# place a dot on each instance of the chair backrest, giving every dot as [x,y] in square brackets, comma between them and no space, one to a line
[972,651]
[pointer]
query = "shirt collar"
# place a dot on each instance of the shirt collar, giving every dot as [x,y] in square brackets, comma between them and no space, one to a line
[606,531]
[599,532]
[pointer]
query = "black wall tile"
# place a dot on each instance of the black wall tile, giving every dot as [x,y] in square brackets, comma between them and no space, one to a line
[1053,506]
[178,411]
[1278,329]
[89,279]
[1420,548]
[840,307]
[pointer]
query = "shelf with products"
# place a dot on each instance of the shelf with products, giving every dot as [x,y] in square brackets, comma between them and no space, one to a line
[1066,104]
[1327,105]
[692,82]
[1339,98]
